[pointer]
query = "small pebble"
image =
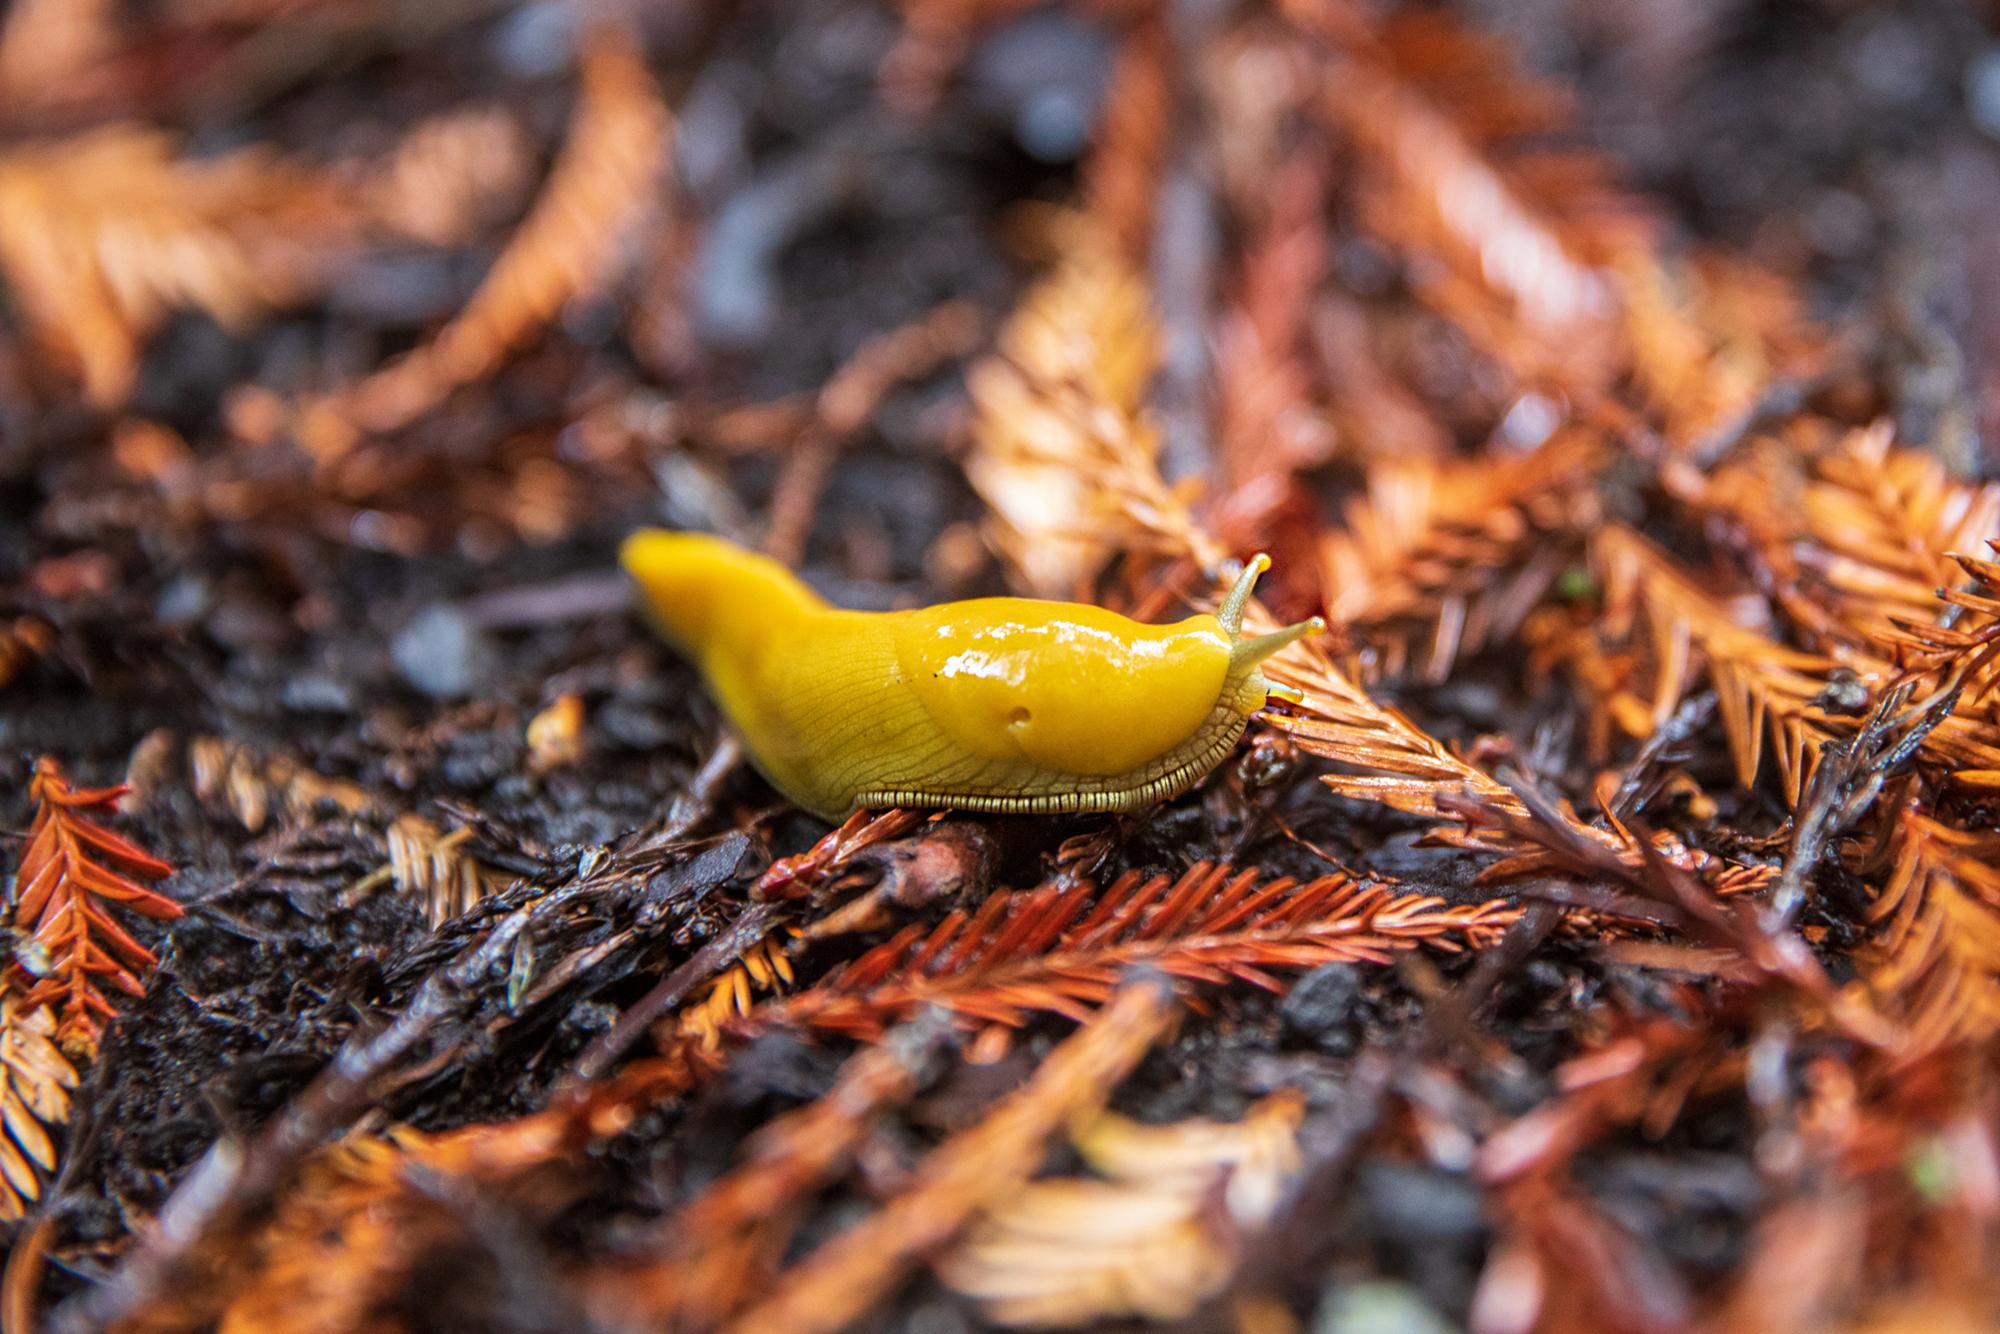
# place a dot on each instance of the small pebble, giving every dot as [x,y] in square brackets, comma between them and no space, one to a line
[1982,91]
[1420,1205]
[320,692]
[443,654]
[1377,1308]
[1321,1007]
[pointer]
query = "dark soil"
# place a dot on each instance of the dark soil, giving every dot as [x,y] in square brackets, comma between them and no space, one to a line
[1847,145]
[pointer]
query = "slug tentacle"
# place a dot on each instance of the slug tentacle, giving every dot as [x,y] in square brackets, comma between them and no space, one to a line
[1250,652]
[1230,613]
[998,704]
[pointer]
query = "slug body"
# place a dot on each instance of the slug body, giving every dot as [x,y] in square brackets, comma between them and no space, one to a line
[996,704]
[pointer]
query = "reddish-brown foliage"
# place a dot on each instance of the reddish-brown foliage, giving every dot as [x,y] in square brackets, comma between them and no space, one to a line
[1062,947]
[70,874]
[1506,918]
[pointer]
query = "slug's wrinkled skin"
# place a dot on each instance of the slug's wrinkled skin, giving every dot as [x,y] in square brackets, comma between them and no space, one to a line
[996,704]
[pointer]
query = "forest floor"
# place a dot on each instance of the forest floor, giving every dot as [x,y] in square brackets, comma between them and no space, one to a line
[1611,941]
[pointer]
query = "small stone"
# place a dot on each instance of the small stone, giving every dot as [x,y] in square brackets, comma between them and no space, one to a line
[1377,1308]
[1421,1206]
[184,601]
[634,726]
[443,654]
[1982,91]
[1321,1007]
[320,692]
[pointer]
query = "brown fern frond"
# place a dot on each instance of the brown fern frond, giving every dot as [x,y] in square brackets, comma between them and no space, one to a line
[102,235]
[1425,105]
[22,641]
[438,866]
[1762,687]
[368,1213]
[72,870]
[1532,247]
[1935,964]
[1265,420]
[1121,176]
[1567,641]
[1061,948]
[450,178]
[1972,601]
[706,1261]
[567,247]
[1967,650]
[253,786]
[840,1281]
[46,44]
[1155,1233]
[1854,539]
[763,969]
[1408,769]
[35,1083]
[1427,547]
[1065,453]
[1708,338]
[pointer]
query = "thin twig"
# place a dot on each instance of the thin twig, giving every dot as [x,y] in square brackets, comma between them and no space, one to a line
[750,926]
[837,1284]
[233,1181]
[1849,778]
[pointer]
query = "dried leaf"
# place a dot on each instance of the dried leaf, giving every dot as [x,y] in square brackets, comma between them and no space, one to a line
[451,177]
[253,786]
[1424,102]
[438,866]
[1062,947]
[103,234]
[1854,538]
[35,1083]
[1153,1236]
[567,247]
[70,874]
[1935,963]
[1429,545]
[1065,454]
[839,1282]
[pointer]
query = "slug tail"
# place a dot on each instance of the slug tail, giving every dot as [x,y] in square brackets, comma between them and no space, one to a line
[704,594]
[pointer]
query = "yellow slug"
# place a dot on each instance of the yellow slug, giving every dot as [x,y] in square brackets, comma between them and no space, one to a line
[996,704]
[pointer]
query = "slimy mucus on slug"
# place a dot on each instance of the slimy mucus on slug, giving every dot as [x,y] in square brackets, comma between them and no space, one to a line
[994,704]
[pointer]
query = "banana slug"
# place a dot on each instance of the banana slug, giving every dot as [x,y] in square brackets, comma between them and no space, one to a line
[995,704]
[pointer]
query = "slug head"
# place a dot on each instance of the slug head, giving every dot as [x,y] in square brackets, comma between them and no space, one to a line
[1247,654]
[707,595]
[1080,690]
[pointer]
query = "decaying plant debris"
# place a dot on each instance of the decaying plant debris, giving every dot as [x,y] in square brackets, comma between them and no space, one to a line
[1609,942]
